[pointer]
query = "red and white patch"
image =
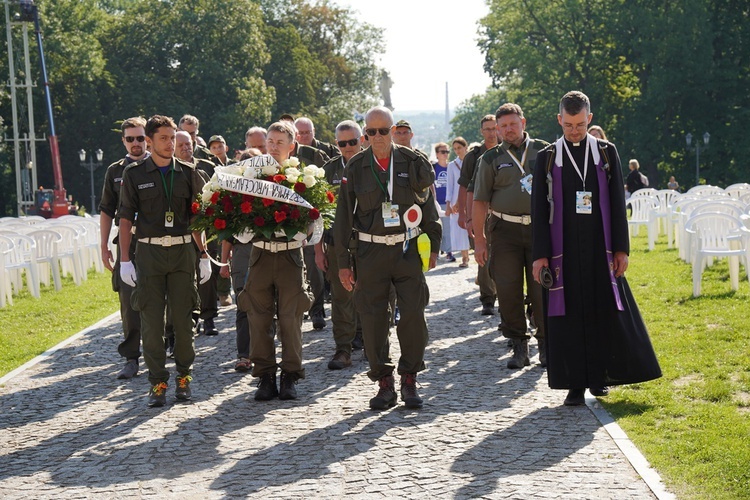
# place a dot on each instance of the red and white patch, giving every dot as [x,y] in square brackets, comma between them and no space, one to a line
[412,216]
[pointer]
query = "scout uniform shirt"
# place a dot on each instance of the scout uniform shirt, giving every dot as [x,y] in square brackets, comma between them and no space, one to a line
[364,189]
[146,192]
[110,201]
[468,167]
[502,176]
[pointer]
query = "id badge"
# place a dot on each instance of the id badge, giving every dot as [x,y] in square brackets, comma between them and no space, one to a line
[390,215]
[583,202]
[526,184]
[169,219]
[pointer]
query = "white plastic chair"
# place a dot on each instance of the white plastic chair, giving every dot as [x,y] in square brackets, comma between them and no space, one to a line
[705,189]
[6,295]
[46,256]
[721,235]
[91,250]
[68,252]
[20,262]
[666,197]
[644,212]
[737,190]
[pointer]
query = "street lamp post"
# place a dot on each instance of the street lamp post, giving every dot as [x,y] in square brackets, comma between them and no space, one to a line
[91,166]
[689,141]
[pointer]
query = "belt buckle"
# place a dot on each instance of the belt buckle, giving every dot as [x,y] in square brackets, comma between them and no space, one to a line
[166,241]
[273,247]
[526,220]
[390,239]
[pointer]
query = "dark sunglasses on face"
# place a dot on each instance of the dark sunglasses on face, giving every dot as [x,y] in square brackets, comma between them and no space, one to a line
[444,152]
[350,142]
[138,138]
[372,132]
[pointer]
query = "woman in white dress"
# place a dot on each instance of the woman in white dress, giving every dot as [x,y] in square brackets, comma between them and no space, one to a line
[459,235]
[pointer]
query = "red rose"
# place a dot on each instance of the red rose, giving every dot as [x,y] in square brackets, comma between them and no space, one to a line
[294,214]
[195,207]
[284,208]
[267,202]
[209,212]
[314,214]
[215,197]
[299,187]
[279,215]
[228,207]
[331,197]
[259,221]
[220,223]
[278,178]
[246,207]
[247,198]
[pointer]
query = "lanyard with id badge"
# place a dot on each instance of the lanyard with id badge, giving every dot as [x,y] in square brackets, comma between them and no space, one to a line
[584,198]
[169,214]
[525,178]
[389,210]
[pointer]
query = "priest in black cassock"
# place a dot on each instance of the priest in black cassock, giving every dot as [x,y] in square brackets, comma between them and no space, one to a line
[595,334]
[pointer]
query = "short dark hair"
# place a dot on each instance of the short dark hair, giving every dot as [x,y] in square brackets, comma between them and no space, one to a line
[284,127]
[461,141]
[486,118]
[156,122]
[574,102]
[509,109]
[136,121]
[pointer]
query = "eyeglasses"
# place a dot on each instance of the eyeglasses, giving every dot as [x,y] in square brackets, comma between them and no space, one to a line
[372,132]
[350,142]
[444,152]
[493,129]
[132,138]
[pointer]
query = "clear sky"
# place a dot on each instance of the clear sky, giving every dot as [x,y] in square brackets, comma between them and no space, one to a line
[428,43]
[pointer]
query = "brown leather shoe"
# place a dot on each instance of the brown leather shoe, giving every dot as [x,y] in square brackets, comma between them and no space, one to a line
[386,396]
[340,360]
[409,391]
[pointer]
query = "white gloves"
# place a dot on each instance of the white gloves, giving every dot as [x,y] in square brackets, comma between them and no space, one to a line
[127,273]
[205,270]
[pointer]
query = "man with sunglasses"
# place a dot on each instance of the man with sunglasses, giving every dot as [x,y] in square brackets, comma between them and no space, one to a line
[134,140]
[383,192]
[347,330]
[502,186]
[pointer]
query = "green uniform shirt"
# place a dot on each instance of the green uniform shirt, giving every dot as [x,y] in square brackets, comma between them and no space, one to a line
[497,178]
[329,149]
[110,200]
[143,193]
[309,155]
[360,189]
[466,179]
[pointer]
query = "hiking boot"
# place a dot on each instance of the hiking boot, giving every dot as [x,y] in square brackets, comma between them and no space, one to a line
[225,300]
[358,342]
[599,391]
[543,352]
[266,387]
[488,309]
[243,365]
[340,360]
[182,391]
[386,396]
[130,369]
[157,395]
[318,322]
[575,397]
[209,328]
[409,391]
[287,389]
[520,354]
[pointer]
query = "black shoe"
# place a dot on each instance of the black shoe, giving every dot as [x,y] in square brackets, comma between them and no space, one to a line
[520,354]
[287,389]
[209,328]
[129,371]
[386,396]
[575,397]
[340,360]
[157,395]
[488,309]
[266,387]
[318,322]
[409,391]
[599,391]
[182,391]
[358,342]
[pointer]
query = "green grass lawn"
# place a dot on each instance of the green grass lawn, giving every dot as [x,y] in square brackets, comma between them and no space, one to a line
[693,424]
[31,326]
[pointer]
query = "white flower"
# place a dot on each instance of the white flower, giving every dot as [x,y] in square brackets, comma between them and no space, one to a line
[251,173]
[292,162]
[292,174]
[310,170]
[234,170]
[309,180]
[269,170]
[321,173]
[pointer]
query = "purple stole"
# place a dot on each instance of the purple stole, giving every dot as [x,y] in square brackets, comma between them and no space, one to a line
[556,306]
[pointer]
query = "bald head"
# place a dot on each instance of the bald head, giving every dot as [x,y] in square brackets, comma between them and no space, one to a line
[305,130]
[379,113]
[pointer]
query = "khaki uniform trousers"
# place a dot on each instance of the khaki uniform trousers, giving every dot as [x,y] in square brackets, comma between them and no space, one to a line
[487,291]
[271,274]
[379,266]
[166,276]
[343,313]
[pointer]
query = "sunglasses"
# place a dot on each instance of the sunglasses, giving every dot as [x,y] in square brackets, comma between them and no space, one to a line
[138,138]
[372,132]
[444,152]
[350,142]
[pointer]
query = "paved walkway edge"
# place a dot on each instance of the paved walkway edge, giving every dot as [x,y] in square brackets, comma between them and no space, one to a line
[631,452]
[59,346]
